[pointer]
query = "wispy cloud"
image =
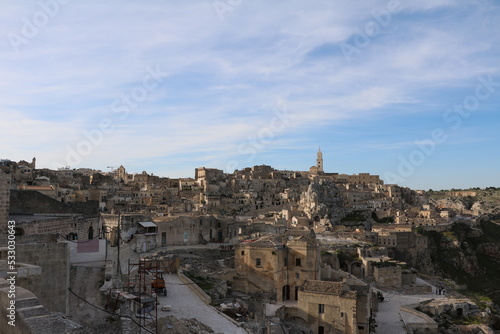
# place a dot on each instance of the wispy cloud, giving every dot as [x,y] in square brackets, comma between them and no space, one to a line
[226,76]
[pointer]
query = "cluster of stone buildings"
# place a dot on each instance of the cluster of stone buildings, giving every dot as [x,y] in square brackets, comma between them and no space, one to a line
[320,240]
[287,266]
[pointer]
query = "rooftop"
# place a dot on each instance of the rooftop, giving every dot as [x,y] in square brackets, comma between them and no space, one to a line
[327,287]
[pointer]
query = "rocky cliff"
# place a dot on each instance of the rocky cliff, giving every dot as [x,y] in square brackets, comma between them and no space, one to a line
[469,255]
[486,202]
[322,200]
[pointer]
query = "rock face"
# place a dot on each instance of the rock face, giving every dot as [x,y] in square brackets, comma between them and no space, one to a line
[468,255]
[322,200]
[485,203]
[448,203]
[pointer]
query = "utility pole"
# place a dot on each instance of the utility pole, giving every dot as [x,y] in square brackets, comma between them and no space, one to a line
[118,284]
[118,267]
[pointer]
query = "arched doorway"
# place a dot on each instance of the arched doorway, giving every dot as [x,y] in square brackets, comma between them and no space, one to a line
[91,233]
[356,269]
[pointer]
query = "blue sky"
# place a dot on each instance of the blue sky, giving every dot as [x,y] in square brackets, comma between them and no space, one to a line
[168,86]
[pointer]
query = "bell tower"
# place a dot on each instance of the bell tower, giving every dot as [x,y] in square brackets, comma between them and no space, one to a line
[319,160]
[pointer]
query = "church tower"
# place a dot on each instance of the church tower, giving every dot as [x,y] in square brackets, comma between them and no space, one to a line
[319,160]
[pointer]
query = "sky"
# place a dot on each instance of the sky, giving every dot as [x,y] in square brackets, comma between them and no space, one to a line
[408,90]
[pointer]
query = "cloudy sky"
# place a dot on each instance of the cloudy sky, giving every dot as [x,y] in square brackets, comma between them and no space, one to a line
[409,90]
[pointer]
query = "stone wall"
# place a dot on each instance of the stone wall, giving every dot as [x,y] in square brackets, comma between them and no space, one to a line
[339,311]
[195,288]
[28,276]
[252,278]
[388,276]
[30,202]
[4,201]
[65,225]
[190,230]
[424,324]
[53,258]
[31,317]
[85,282]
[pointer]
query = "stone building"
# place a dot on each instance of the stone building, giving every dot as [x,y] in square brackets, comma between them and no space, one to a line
[36,213]
[71,227]
[319,161]
[204,176]
[277,264]
[361,178]
[126,223]
[401,239]
[190,230]
[387,274]
[335,307]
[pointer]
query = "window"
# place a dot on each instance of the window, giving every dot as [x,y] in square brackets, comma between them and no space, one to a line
[258,262]
[321,308]
[297,276]
[298,262]
[242,252]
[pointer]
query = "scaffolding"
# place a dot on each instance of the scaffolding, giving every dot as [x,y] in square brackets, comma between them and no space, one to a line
[144,281]
[145,306]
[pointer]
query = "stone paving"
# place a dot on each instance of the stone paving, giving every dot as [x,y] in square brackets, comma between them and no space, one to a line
[389,316]
[186,304]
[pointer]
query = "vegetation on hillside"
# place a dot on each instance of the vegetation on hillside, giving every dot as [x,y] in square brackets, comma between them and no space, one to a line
[470,257]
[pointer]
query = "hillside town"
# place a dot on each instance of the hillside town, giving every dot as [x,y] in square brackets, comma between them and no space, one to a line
[259,250]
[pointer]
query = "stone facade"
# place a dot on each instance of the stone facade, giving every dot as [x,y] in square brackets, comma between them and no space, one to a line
[277,264]
[390,276]
[53,258]
[190,230]
[31,315]
[335,307]
[319,161]
[34,202]
[72,227]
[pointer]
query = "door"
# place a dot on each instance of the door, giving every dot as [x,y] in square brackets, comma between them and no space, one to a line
[286,292]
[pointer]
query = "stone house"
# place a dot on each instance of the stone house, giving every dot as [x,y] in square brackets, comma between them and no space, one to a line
[277,264]
[334,307]
[190,230]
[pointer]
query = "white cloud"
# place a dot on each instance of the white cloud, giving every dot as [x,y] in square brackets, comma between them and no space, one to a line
[225,76]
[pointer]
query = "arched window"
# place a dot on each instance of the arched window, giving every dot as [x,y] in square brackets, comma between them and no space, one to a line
[91,233]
